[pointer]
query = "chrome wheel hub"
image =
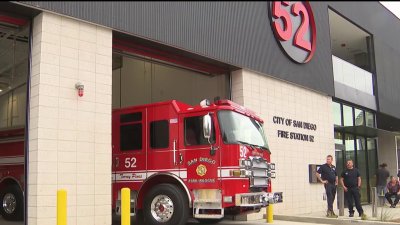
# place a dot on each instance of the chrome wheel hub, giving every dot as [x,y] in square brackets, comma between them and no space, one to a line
[9,203]
[162,208]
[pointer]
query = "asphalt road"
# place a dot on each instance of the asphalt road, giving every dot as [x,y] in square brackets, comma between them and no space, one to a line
[193,222]
[3,222]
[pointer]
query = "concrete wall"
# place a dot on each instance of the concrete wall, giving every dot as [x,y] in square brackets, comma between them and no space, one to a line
[387,151]
[70,136]
[270,97]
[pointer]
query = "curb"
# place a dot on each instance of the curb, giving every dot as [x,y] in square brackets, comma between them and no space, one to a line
[338,221]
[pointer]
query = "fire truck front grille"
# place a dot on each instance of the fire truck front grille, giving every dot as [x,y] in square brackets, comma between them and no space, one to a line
[261,172]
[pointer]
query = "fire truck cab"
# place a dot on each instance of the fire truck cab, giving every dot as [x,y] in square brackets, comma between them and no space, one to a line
[181,160]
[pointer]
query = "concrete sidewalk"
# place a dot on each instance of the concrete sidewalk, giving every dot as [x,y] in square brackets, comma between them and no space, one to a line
[261,222]
[386,215]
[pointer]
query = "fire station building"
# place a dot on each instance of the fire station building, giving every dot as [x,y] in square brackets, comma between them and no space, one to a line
[324,77]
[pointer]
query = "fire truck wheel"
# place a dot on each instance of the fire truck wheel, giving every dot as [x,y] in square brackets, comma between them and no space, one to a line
[209,221]
[165,204]
[12,207]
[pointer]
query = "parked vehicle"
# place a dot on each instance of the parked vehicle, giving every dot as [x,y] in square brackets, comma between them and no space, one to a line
[180,160]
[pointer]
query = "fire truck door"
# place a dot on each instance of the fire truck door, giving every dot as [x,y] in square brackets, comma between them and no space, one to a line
[200,162]
[162,149]
[129,143]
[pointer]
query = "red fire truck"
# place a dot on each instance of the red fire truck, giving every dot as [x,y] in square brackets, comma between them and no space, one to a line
[181,160]
[12,173]
[211,159]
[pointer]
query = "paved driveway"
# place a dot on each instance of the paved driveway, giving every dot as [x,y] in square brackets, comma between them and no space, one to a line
[193,222]
[3,222]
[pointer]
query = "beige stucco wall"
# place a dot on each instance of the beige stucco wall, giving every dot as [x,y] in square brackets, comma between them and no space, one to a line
[70,136]
[270,97]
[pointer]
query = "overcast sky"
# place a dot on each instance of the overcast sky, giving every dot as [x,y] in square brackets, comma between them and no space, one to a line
[392,6]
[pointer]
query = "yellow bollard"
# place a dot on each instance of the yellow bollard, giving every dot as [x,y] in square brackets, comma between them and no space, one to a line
[125,206]
[61,207]
[270,213]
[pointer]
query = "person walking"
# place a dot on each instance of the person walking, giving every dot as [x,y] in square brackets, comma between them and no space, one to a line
[327,175]
[350,180]
[393,189]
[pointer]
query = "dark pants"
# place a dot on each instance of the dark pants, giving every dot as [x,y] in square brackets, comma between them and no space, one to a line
[389,196]
[353,196]
[330,195]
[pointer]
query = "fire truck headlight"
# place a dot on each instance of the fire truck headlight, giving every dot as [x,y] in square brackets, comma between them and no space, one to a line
[273,175]
[271,166]
[240,173]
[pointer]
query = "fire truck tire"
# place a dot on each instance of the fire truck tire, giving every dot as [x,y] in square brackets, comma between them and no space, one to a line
[12,203]
[209,221]
[165,204]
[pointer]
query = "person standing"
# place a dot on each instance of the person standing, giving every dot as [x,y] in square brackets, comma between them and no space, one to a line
[350,180]
[327,175]
[382,174]
[393,189]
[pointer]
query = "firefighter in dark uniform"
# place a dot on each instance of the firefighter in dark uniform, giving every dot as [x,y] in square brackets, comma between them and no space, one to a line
[351,182]
[328,176]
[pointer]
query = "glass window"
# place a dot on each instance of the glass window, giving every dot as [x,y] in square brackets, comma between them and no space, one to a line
[337,114]
[362,167]
[370,118]
[372,161]
[194,131]
[360,143]
[338,138]
[131,117]
[339,153]
[359,115]
[159,134]
[349,145]
[348,115]
[238,128]
[131,137]
[339,161]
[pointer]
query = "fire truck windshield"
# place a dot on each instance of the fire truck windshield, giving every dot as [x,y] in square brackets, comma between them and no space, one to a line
[238,128]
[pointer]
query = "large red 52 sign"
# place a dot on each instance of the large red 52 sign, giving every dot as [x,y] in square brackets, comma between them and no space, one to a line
[294,27]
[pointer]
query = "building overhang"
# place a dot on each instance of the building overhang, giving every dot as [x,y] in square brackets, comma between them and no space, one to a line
[364,131]
[358,130]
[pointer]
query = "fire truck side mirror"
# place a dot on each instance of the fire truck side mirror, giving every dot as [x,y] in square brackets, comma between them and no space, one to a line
[207,126]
